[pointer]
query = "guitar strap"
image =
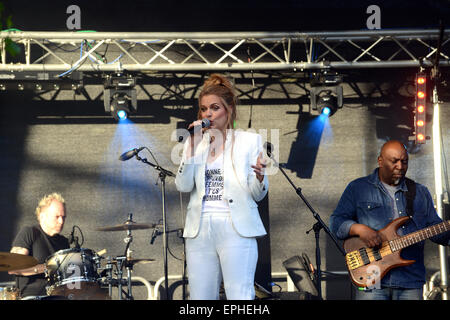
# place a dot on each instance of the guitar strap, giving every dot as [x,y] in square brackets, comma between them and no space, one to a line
[410,195]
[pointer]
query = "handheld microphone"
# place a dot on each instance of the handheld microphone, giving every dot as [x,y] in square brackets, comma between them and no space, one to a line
[269,148]
[205,124]
[130,154]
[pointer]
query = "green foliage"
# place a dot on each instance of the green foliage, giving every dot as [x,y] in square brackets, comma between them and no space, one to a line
[11,47]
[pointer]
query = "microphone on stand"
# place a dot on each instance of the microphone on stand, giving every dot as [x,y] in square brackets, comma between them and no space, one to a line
[71,237]
[130,154]
[205,124]
[154,235]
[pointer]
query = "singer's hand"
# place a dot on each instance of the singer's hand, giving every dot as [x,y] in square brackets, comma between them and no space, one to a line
[259,167]
[195,123]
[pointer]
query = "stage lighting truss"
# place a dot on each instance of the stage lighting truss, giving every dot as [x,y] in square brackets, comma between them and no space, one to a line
[119,96]
[326,94]
[66,52]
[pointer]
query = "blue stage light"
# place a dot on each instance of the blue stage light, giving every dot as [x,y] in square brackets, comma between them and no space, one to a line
[327,105]
[120,107]
[122,114]
[326,111]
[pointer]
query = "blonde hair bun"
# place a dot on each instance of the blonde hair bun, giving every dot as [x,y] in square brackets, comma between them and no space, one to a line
[216,79]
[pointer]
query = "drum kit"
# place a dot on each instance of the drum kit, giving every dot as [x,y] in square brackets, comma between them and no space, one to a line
[79,273]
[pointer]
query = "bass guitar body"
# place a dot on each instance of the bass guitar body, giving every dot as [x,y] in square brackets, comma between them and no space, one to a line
[368,265]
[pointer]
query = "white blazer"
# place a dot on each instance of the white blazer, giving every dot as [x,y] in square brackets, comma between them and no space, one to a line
[241,187]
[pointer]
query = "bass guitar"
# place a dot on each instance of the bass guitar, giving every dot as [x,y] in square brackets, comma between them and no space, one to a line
[367,266]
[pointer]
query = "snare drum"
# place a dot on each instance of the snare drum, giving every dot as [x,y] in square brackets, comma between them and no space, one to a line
[72,273]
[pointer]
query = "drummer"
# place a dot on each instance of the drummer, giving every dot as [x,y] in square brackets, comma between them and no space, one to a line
[40,241]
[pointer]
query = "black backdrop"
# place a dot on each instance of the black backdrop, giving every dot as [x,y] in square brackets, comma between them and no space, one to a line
[229,15]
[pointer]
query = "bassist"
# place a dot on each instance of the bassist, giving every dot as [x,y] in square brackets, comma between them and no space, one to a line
[370,203]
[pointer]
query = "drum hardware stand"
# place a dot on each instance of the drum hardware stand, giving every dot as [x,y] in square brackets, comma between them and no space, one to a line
[128,241]
[108,273]
[109,277]
[163,173]
[119,282]
[122,261]
[319,225]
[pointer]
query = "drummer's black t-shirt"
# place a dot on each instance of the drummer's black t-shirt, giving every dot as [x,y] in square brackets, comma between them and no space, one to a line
[32,238]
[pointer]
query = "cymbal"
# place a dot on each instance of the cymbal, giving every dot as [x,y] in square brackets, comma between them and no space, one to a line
[14,261]
[127,226]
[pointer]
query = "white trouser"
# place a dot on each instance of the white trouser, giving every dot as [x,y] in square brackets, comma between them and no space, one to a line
[219,251]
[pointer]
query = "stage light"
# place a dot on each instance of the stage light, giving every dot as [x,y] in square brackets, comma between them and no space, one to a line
[120,106]
[420,121]
[327,105]
[119,96]
[122,114]
[120,103]
[326,111]
[421,80]
[326,94]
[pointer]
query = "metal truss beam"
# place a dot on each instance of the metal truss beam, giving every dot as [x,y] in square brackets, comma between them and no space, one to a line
[65,52]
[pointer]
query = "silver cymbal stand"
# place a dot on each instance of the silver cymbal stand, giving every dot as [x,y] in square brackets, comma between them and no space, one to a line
[122,261]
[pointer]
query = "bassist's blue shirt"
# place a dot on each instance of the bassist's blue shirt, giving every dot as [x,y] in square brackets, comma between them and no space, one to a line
[365,201]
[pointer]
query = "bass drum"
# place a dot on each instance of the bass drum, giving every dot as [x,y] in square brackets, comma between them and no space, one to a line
[72,273]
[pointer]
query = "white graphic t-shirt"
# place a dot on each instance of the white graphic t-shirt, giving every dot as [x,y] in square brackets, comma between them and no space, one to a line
[213,200]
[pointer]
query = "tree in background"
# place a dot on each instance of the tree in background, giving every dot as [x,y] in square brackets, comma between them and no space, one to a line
[6,21]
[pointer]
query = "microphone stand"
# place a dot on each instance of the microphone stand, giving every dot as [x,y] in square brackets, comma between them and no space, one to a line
[319,225]
[163,173]
[184,265]
[127,255]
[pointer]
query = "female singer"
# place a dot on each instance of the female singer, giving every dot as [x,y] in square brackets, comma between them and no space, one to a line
[223,170]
